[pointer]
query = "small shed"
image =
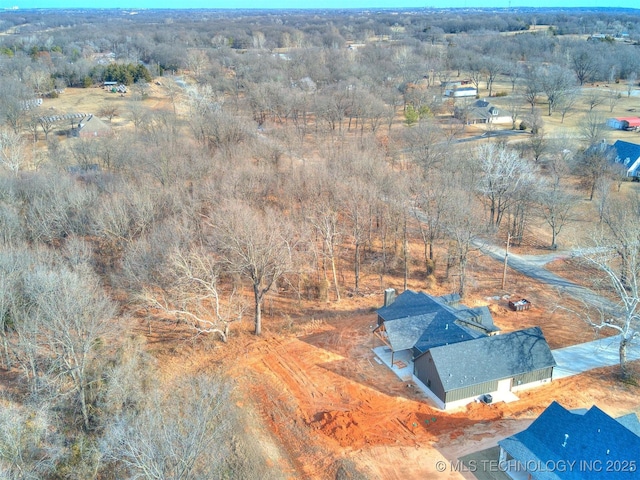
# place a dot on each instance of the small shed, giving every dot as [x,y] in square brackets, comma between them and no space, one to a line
[520,305]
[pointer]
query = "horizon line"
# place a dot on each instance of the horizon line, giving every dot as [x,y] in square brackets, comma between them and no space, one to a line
[395,8]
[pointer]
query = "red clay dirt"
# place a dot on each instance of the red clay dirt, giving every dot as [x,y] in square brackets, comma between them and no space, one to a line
[324,397]
[319,398]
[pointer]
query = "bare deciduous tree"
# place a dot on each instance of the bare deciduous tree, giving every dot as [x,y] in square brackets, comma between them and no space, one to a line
[194,294]
[583,63]
[502,174]
[463,226]
[13,155]
[532,85]
[592,165]
[15,101]
[556,81]
[566,102]
[593,97]
[109,112]
[257,245]
[325,220]
[632,83]
[181,433]
[75,318]
[556,207]
[28,447]
[616,253]
[592,128]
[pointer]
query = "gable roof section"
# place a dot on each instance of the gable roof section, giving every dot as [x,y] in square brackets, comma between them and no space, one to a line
[560,435]
[491,358]
[407,304]
[93,124]
[403,333]
[420,321]
[471,317]
[630,422]
[626,150]
[443,330]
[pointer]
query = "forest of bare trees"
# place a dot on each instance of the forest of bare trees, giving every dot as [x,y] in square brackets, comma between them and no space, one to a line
[298,154]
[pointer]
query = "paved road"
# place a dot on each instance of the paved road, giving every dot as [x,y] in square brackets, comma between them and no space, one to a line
[493,133]
[533,266]
[577,358]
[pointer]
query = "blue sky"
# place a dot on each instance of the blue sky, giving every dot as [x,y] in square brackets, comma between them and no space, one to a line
[306,4]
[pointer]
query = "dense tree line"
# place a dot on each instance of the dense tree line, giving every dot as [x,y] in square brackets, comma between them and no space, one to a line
[121,73]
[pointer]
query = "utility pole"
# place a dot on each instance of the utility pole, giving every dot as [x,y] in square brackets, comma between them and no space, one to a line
[506,258]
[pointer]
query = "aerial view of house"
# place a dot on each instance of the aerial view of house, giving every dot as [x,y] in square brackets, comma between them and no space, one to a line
[480,111]
[456,351]
[417,321]
[460,373]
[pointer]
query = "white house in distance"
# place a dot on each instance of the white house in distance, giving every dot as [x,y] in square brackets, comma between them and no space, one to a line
[480,111]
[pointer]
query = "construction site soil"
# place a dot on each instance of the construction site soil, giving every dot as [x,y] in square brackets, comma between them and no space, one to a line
[320,399]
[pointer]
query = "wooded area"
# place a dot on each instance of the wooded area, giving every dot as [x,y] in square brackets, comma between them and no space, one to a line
[294,158]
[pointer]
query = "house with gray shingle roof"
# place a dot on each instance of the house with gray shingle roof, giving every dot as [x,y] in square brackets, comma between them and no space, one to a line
[417,321]
[586,444]
[456,351]
[463,372]
[480,111]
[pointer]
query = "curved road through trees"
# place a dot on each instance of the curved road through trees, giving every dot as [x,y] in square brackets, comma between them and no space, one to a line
[579,358]
[533,266]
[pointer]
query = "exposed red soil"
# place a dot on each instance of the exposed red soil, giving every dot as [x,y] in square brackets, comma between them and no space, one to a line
[323,396]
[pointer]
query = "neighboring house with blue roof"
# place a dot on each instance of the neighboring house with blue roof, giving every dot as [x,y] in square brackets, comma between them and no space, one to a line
[587,445]
[462,372]
[628,155]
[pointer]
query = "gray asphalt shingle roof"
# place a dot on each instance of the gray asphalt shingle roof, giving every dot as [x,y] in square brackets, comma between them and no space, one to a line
[404,333]
[420,321]
[593,438]
[491,358]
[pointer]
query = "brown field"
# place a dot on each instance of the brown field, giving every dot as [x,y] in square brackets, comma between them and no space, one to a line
[314,395]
